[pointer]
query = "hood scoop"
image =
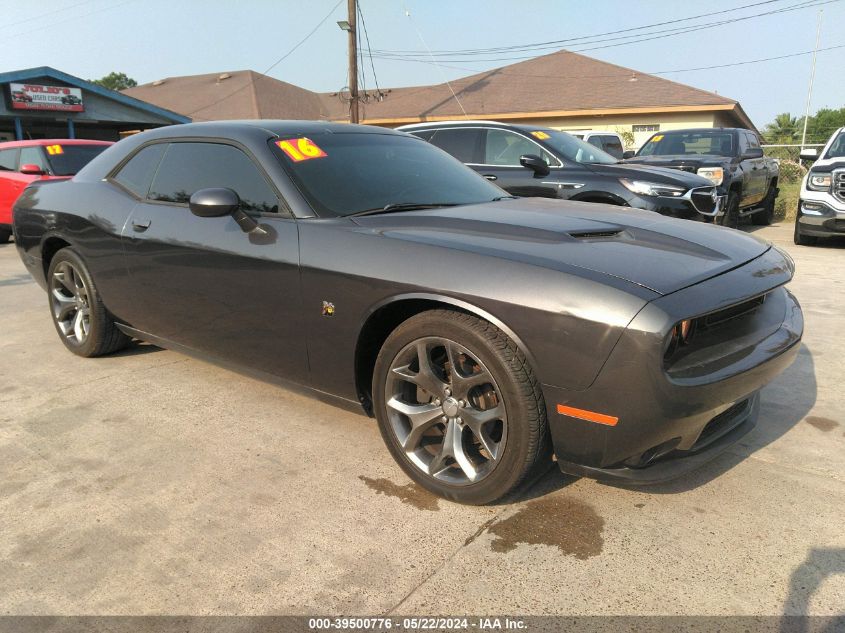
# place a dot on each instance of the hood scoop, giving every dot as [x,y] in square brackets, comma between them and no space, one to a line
[593,235]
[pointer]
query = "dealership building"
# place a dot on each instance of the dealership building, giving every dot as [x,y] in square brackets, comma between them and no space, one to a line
[47,103]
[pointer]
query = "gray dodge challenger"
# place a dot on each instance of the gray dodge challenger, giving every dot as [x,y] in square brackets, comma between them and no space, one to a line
[368,267]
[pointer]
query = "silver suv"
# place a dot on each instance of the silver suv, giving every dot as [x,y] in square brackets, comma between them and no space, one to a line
[821,204]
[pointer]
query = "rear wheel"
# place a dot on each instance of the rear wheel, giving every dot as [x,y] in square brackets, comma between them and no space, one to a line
[766,216]
[458,407]
[82,321]
[801,239]
[731,216]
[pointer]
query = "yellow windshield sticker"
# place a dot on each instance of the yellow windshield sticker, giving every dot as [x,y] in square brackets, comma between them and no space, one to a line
[52,150]
[657,139]
[540,135]
[299,149]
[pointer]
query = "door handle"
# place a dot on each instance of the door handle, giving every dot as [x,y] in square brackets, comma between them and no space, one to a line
[490,177]
[141,225]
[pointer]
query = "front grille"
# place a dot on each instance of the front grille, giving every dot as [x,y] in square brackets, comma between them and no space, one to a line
[703,199]
[738,310]
[687,168]
[839,184]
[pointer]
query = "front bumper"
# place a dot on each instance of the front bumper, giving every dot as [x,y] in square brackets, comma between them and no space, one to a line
[825,219]
[671,421]
[681,207]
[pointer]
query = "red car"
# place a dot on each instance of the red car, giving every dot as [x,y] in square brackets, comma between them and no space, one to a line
[21,162]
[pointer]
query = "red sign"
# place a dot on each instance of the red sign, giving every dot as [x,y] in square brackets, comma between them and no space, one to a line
[34,97]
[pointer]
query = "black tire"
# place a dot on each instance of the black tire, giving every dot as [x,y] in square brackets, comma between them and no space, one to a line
[767,215]
[102,335]
[526,443]
[801,239]
[731,216]
[5,235]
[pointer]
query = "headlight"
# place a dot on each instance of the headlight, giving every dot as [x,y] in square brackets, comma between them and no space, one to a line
[713,174]
[644,188]
[819,182]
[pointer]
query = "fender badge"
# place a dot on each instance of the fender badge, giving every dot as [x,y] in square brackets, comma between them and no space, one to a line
[328,309]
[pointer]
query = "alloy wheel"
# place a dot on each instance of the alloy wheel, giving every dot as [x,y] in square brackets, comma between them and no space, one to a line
[69,299]
[446,411]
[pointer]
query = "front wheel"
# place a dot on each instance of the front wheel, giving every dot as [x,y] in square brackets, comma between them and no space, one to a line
[767,215]
[82,321]
[458,407]
[731,216]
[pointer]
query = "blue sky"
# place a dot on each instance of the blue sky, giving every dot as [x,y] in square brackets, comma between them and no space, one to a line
[151,39]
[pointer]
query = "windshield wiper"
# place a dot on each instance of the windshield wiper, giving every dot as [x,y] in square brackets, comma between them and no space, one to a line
[400,206]
[503,198]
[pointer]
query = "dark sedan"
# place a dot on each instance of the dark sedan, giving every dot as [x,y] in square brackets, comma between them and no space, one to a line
[378,272]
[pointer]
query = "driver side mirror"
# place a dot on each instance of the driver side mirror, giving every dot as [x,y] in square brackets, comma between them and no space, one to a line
[628,153]
[753,152]
[32,170]
[535,163]
[219,201]
[810,153]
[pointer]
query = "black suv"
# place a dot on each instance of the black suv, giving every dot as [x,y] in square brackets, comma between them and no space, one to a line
[528,160]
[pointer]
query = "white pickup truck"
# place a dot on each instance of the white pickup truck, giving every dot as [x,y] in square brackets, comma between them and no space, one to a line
[821,204]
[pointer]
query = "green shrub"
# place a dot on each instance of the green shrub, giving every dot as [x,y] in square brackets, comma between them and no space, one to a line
[791,171]
[786,203]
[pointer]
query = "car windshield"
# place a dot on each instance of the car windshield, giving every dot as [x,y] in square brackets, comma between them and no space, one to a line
[837,148]
[711,142]
[67,160]
[346,173]
[571,148]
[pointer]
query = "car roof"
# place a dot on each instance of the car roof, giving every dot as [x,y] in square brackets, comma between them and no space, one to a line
[52,141]
[274,127]
[463,123]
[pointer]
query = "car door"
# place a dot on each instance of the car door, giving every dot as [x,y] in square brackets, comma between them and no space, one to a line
[203,282]
[501,150]
[759,177]
[10,185]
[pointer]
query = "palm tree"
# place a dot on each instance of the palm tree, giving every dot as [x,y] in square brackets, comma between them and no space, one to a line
[784,129]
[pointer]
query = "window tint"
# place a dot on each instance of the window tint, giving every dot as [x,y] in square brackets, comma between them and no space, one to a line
[72,158]
[137,174]
[33,156]
[837,148]
[424,134]
[189,167]
[9,160]
[462,144]
[612,146]
[695,142]
[503,147]
[363,171]
[752,140]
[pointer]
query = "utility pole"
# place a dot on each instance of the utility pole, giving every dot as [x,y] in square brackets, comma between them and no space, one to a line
[353,62]
[812,78]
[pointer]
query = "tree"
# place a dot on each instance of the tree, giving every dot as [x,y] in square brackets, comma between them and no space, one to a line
[824,123]
[784,129]
[116,81]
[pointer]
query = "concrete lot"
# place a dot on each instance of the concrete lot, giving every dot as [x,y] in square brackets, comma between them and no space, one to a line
[148,482]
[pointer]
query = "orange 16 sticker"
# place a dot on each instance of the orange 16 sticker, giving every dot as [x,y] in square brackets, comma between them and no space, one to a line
[299,149]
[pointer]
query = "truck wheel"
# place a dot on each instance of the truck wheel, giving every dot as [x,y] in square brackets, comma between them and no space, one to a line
[801,239]
[731,217]
[767,215]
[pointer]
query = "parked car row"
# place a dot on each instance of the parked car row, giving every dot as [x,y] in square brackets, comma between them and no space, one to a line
[482,330]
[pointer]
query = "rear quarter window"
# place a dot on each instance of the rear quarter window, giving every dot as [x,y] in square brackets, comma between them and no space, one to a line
[137,175]
[8,159]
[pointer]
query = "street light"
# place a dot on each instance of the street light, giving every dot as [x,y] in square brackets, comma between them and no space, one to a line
[344,25]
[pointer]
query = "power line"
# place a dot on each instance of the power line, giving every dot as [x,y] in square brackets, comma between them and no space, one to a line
[274,64]
[642,37]
[574,39]
[71,19]
[369,51]
[49,13]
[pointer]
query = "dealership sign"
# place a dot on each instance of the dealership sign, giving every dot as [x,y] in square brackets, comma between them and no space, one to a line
[33,97]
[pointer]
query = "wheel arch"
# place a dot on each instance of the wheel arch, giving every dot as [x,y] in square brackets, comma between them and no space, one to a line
[603,197]
[50,245]
[387,315]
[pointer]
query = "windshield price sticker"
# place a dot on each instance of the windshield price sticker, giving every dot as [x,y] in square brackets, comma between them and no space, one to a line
[52,150]
[657,138]
[540,135]
[300,149]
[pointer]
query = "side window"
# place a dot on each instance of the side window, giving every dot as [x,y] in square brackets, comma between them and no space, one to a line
[189,167]
[595,140]
[752,140]
[424,134]
[137,174]
[33,156]
[743,143]
[9,160]
[503,147]
[461,143]
[613,146]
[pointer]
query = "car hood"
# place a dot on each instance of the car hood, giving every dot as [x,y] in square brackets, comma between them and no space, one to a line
[650,173]
[643,248]
[680,161]
[828,164]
